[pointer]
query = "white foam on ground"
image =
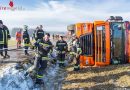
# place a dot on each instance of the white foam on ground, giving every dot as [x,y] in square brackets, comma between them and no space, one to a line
[12,79]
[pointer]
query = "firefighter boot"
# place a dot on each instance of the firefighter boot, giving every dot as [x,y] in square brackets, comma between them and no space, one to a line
[26,52]
[76,68]
[1,53]
[6,55]
[39,81]
[62,65]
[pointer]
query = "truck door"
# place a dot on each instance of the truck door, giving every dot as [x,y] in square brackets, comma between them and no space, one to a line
[102,43]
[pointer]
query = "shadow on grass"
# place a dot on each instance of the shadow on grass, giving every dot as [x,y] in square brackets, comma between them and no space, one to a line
[100,82]
[97,87]
[99,79]
[99,69]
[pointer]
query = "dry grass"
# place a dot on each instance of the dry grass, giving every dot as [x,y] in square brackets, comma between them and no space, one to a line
[98,78]
[12,42]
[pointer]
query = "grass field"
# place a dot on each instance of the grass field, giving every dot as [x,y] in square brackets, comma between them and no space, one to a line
[111,77]
[12,42]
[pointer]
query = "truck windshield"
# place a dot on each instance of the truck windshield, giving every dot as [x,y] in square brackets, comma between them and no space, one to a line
[117,40]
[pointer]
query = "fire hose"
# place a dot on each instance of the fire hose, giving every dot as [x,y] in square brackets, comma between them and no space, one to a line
[15,49]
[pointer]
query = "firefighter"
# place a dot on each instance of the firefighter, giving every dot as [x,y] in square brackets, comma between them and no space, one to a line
[61,47]
[53,36]
[43,47]
[39,33]
[26,39]
[19,38]
[1,38]
[34,33]
[4,37]
[71,49]
[76,52]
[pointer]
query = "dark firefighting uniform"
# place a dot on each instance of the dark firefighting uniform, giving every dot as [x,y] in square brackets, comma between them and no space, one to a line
[26,39]
[34,34]
[39,34]
[40,64]
[4,36]
[76,52]
[61,47]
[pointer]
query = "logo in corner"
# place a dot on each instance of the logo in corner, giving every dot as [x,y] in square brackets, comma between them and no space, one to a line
[11,3]
[11,7]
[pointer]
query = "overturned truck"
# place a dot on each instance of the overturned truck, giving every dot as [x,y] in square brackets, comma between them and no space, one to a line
[103,42]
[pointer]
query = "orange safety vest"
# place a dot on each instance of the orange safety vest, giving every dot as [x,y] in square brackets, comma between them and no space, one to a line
[18,36]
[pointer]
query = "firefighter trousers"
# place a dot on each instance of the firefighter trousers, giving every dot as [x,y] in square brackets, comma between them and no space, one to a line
[77,61]
[61,58]
[77,64]
[5,48]
[40,66]
[26,46]
[18,43]
[26,50]
[1,48]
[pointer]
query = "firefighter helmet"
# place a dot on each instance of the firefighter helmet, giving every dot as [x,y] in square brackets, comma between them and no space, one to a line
[74,35]
[25,27]
[1,22]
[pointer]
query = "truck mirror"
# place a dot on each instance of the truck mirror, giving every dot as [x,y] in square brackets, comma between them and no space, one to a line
[124,27]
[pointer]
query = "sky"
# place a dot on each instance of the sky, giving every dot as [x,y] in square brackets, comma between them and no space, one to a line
[55,15]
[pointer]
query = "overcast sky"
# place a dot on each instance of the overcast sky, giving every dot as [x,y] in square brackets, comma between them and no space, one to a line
[57,14]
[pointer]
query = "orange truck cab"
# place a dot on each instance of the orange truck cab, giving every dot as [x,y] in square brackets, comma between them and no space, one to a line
[87,45]
[127,41]
[104,42]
